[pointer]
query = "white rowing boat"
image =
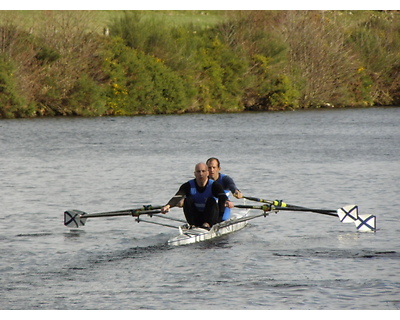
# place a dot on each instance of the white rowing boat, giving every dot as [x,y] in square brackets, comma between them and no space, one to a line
[192,235]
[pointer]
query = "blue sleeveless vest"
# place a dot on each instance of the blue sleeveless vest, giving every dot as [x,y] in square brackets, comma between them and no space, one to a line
[198,197]
[227,212]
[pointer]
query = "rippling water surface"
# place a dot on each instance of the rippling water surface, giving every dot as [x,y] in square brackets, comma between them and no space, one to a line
[291,260]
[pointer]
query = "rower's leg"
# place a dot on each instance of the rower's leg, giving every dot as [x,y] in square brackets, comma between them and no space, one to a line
[191,213]
[211,212]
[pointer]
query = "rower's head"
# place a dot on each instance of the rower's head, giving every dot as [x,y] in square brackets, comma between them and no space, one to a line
[201,173]
[214,167]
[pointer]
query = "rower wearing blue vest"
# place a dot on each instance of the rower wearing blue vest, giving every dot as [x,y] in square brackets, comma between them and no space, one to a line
[205,199]
[214,168]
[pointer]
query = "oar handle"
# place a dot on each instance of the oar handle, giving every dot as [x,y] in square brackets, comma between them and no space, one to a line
[256,199]
[259,200]
[142,212]
[272,202]
[266,207]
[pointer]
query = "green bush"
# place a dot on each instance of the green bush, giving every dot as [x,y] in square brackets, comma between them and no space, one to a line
[86,98]
[269,90]
[142,84]
[47,55]
[220,78]
[12,103]
[376,41]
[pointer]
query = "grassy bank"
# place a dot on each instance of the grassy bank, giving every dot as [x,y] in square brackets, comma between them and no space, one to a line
[93,63]
[97,20]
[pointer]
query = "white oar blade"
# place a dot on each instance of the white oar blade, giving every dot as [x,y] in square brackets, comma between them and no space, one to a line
[366,223]
[73,218]
[348,214]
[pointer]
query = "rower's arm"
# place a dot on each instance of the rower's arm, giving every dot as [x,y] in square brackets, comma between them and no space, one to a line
[230,185]
[218,192]
[173,202]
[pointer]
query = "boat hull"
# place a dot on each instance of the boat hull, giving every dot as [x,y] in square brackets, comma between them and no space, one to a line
[193,235]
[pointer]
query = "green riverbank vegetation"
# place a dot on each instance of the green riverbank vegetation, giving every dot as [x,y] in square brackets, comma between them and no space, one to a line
[97,63]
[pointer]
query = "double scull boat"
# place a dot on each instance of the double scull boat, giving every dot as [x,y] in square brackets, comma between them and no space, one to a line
[187,235]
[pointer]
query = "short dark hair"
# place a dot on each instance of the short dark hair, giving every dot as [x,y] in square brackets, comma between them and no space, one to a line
[216,159]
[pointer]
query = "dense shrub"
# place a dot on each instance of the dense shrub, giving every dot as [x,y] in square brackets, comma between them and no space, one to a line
[376,42]
[86,98]
[220,78]
[142,84]
[12,103]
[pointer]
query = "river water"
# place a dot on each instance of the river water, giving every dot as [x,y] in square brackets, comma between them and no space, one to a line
[291,260]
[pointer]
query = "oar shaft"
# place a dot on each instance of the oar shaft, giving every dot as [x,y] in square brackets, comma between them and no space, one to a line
[291,207]
[107,214]
[77,218]
[270,207]
[127,212]
[296,208]
[159,224]
[133,212]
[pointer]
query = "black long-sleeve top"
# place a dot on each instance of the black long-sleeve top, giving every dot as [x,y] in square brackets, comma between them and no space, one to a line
[184,191]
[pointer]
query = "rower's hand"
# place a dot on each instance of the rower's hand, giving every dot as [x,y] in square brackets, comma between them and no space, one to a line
[165,209]
[238,194]
[229,204]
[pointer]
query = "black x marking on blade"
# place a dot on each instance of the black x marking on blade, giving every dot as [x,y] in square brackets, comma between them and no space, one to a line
[365,223]
[70,220]
[348,214]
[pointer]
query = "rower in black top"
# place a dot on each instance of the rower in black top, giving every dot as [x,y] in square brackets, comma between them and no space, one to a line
[205,200]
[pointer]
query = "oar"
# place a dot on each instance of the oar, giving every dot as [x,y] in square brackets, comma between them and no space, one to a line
[77,218]
[270,207]
[280,205]
[347,214]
